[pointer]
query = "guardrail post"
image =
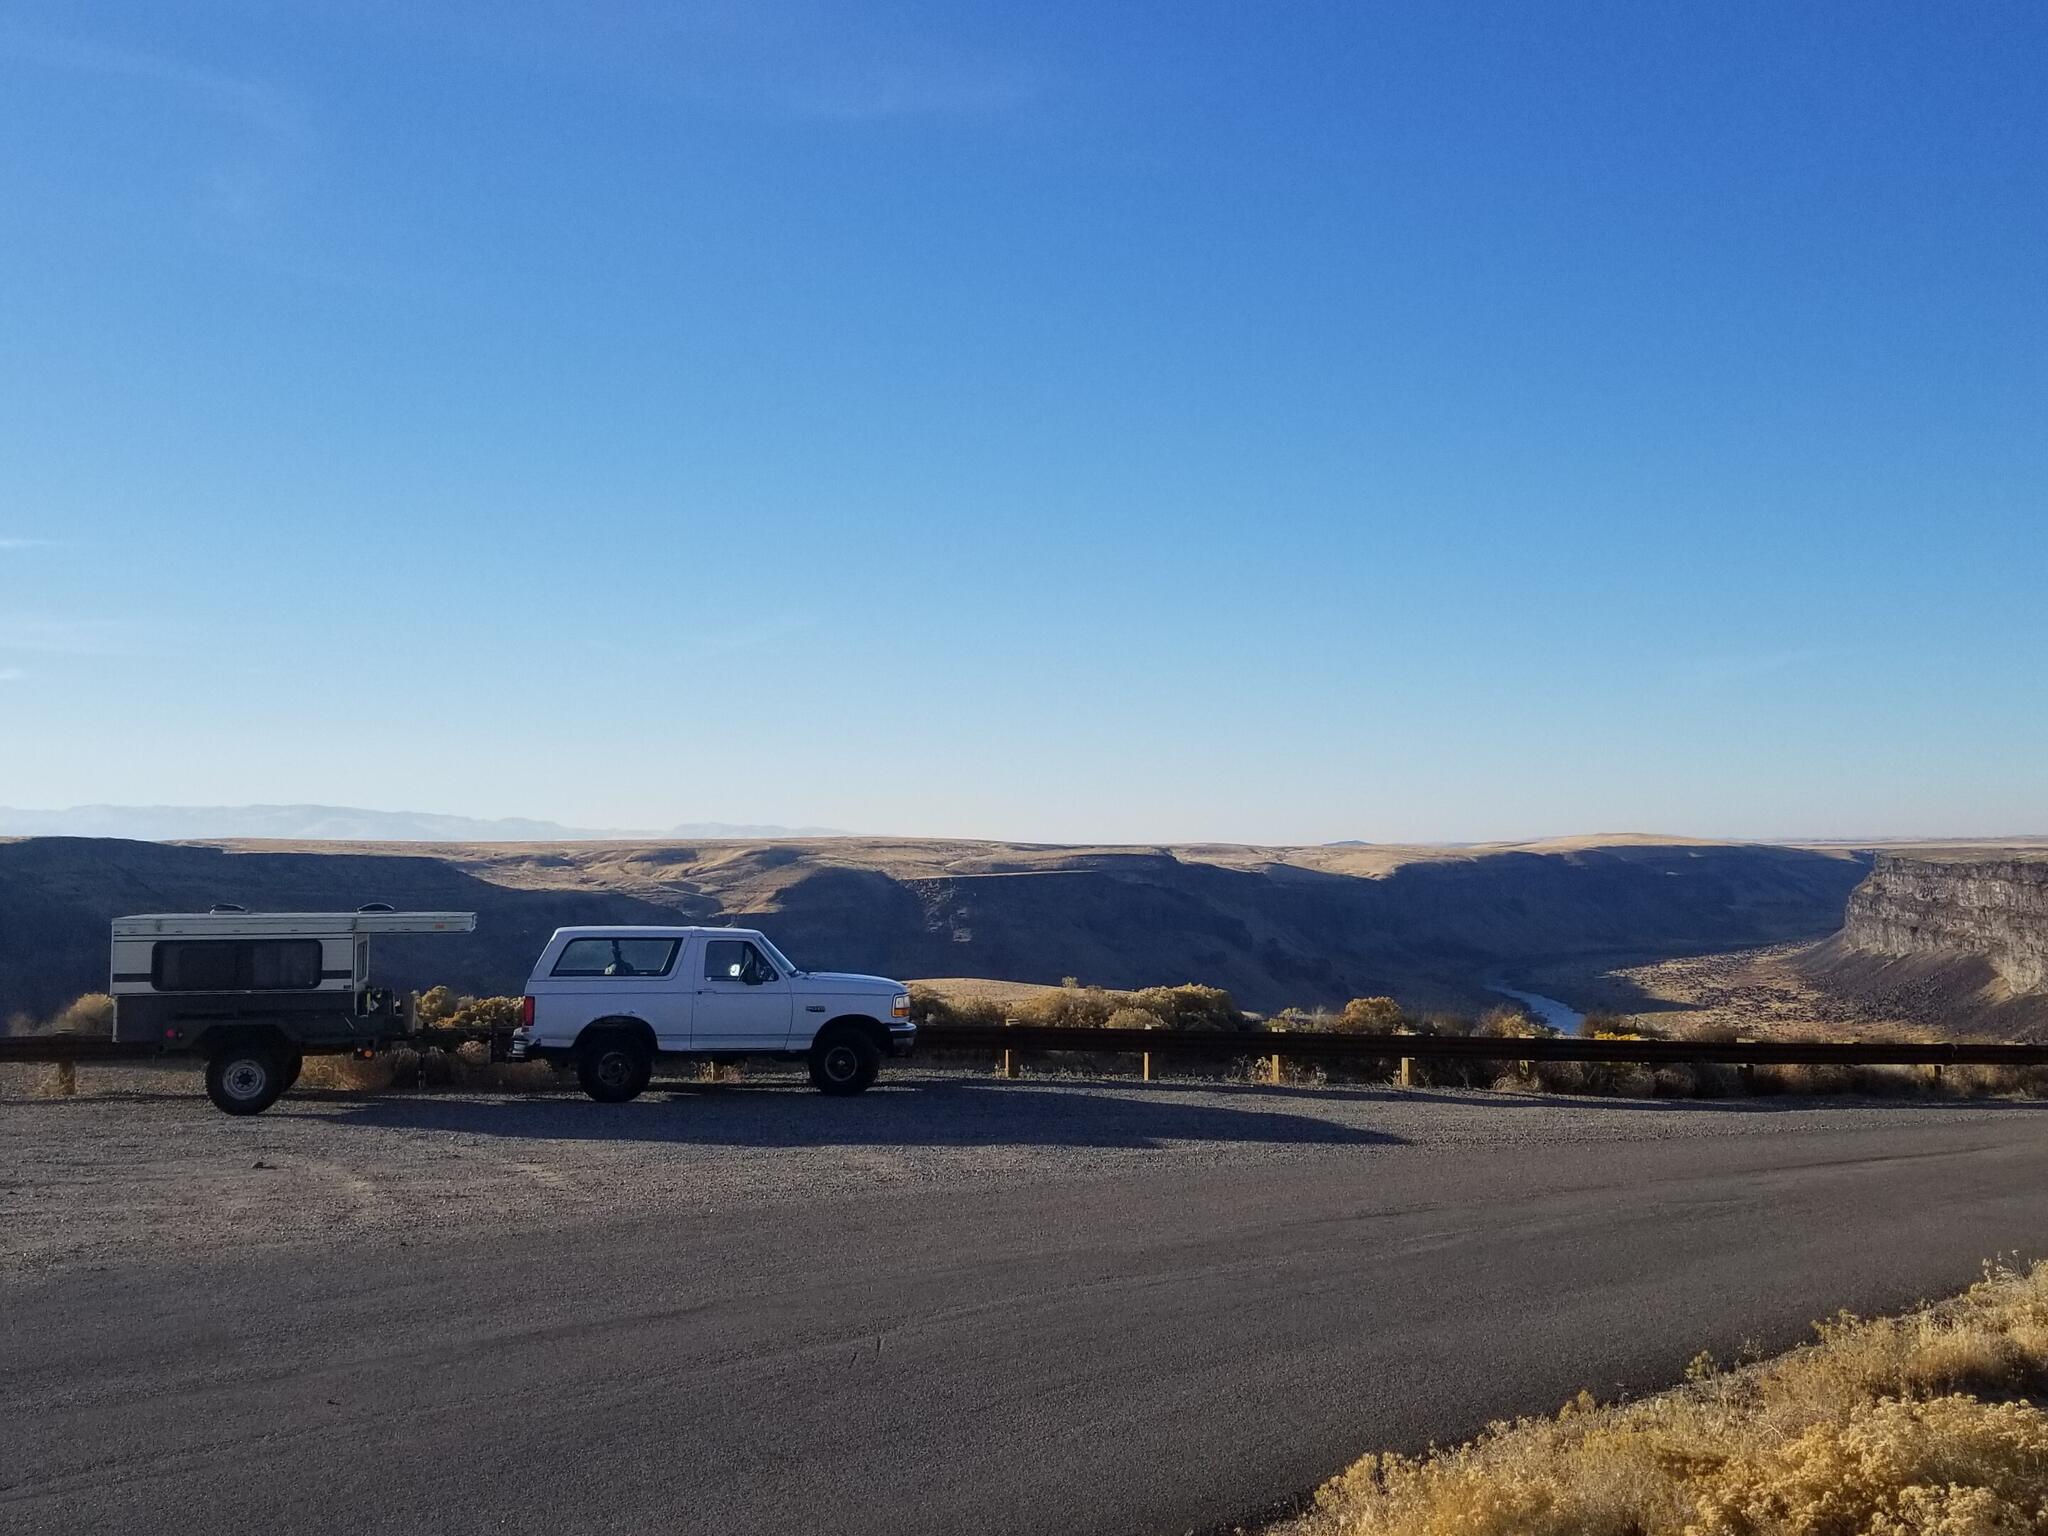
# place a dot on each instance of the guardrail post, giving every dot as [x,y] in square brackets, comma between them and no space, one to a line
[1746,1073]
[1145,1064]
[67,1079]
[1009,1056]
[1273,1069]
[1406,1076]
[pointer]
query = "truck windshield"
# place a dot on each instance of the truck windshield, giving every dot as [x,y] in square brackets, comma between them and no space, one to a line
[781,960]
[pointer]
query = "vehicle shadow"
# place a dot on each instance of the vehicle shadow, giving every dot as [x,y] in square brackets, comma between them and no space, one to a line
[963,1114]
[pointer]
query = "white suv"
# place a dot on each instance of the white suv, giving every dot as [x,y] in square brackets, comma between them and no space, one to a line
[610,1000]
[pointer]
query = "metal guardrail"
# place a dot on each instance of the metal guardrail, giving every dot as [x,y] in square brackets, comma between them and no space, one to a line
[1323,1045]
[89,1048]
[1317,1045]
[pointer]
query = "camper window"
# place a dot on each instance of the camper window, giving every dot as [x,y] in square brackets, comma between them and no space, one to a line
[236,965]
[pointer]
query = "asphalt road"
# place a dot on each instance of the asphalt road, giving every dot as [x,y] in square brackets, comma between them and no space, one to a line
[1170,1348]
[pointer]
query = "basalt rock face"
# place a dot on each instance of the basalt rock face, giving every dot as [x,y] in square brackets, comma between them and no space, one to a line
[1995,911]
[1955,945]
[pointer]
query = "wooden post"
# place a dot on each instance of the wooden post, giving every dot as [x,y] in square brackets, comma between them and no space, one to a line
[1407,1075]
[1145,1064]
[67,1079]
[1273,1069]
[1009,1056]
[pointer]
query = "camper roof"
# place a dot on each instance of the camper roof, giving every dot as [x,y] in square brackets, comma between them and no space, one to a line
[230,925]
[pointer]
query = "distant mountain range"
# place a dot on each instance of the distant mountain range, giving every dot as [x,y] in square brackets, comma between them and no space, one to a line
[340,824]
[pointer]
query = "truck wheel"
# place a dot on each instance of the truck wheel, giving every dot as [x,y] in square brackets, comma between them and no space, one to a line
[844,1060]
[614,1069]
[245,1080]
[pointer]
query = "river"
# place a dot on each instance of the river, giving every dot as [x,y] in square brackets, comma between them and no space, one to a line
[1548,1010]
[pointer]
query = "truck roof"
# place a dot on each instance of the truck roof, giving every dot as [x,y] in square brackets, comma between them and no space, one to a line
[200,925]
[644,930]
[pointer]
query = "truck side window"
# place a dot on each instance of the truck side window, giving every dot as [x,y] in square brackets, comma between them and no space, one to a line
[616,957]
[735,960]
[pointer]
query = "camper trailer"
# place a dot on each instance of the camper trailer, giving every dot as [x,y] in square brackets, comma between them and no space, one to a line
[255,993]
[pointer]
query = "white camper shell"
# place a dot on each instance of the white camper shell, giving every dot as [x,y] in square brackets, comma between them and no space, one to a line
[146,948]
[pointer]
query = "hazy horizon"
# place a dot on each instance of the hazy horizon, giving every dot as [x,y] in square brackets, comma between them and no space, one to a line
[543,828]
[1052,424]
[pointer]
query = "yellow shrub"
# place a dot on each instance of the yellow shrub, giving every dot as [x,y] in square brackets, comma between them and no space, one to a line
[1883,1427]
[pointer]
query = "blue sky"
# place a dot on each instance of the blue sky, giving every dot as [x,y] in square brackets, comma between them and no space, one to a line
[1131,422]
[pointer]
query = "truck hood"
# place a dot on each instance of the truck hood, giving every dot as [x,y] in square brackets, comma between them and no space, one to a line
[847,981]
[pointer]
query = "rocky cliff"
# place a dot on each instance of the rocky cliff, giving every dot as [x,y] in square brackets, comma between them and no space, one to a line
[1956,943]
[1993,910]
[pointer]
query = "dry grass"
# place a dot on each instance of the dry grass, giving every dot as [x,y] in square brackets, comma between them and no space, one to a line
[1922,1425]
[470,1067]
[92,1014]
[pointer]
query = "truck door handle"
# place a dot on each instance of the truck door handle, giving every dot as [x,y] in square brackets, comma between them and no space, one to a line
[814,1007]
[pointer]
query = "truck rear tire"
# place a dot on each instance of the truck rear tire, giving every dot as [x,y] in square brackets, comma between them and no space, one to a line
[844,1060]
[245,1079]
[614,1068]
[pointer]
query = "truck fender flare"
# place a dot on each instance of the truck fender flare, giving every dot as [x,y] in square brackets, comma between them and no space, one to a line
[872,1027]
[619,1024]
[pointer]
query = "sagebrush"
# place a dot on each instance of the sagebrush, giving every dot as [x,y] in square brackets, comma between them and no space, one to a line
[1923,1425]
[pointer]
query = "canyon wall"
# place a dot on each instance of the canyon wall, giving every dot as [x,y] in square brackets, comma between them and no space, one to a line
[1276,926]
[1994,910]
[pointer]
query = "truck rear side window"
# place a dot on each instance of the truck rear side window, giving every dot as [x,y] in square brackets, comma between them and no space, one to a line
[236,965]
[616,957]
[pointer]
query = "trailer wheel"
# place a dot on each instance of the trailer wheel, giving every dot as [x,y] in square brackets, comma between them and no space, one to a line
[613,1068]
[245,1079]
[844,1060]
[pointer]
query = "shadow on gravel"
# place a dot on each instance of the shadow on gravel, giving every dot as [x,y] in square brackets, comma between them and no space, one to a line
[1754,1104]
[917,1114]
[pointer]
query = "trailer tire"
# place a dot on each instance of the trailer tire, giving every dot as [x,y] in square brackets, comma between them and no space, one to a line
[245,1079]
[613,1068]
[844,1060]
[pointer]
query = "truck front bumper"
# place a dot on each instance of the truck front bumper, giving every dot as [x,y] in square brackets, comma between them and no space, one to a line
[902,1038]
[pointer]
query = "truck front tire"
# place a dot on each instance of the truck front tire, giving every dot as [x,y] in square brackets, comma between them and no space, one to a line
[613,1068]
[245,1080]
[844,1060]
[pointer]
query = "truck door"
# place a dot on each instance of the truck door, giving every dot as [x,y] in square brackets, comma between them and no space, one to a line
[743,1000]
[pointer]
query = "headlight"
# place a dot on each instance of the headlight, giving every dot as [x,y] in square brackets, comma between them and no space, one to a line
[901,1007]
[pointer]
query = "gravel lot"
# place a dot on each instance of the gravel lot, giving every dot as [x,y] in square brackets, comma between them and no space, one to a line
[140,1167]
